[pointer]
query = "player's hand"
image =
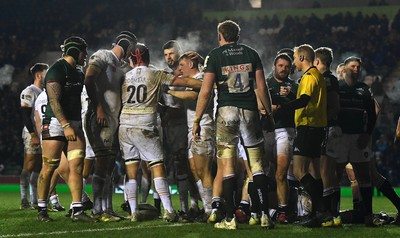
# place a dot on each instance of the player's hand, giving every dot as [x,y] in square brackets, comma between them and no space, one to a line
[363,141]
[34,140]
[100,116]
[69,134]
[196,131]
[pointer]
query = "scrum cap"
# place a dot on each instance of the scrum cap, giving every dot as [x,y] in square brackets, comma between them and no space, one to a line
[73,46]
[127,40]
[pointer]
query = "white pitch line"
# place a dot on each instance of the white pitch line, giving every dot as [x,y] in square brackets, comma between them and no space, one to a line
[89,230]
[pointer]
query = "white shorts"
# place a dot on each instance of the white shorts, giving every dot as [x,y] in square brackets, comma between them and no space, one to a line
[334,141]
[88,150]
[233,122]
[135,142]
[54,129]
[349,152]
[101,137]
[205,146]
[241,152]
[28,148]
[279,142]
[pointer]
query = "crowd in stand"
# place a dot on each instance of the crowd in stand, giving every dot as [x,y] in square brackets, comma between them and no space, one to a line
[30,28]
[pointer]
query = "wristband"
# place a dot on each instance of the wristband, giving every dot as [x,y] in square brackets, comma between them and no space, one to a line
[66,125]
[196,120]
[32,134]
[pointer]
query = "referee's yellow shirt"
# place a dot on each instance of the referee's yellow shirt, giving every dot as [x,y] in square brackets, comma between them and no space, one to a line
[312,83]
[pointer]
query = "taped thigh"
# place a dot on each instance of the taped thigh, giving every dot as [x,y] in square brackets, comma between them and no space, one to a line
[226,151]
[51,162]
[255,159]
[75,154]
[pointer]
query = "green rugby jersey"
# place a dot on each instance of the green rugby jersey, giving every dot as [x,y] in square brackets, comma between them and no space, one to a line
[332,85]
[357,108]
[234,66]
[284,117]
[71,80]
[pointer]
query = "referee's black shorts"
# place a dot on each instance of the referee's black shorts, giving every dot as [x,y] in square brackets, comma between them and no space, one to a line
[309,141]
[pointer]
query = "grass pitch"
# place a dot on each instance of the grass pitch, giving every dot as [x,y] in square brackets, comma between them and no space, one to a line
[22,223]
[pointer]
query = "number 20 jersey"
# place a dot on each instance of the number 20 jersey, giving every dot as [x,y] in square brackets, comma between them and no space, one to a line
[141,91]
[234,66]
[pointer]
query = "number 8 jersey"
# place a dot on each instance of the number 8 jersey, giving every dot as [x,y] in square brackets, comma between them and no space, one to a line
[234,66]
[141,92]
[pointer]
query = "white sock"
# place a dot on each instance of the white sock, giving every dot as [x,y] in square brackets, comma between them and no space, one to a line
[33,181]
[162,188]
[54,199]
[98,185]
[183,192]
[23,183]
[144,189]
[131,194]
[207,199]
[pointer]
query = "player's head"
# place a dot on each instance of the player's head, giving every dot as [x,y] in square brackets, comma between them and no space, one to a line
[352,67]
[282,66]
[340,72]
[190,61]
[126,40]
[172,51]
[75,47]
[323,55]
[303,54]
[287,51]
[38,71]
[229,30]
[139,54]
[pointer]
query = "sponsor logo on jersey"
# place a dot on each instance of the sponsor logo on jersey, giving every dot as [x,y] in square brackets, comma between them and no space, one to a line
[236,68]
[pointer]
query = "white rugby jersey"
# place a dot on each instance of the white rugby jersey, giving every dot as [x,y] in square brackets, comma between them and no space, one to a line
[84,102]
[28,97]
[41,104]
[108,85]
[141,92]
[190,105]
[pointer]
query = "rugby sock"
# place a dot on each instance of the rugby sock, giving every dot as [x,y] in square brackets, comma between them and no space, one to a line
[33,181]
[194,193]
[107,194]
[98,185]
[229,190]
[183,192]
[260,181]
[162,188]
[310,185]
[216,203]
[254,199]
[144,189]
[292,198]
[23,183]
[366,192]
[42,205]
[157,200]
[54,200]
[387,190]
[327,198]
[207,199]
[319,189]
[77,208]
[85,196]
[335,205]
[131,194]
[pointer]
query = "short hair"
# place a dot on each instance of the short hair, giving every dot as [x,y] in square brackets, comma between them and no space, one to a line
[38,67]
[351,59]
[287,51]
[195,57]
[230,30]
[283,56]
[306,50]
[172,44]
[325,55]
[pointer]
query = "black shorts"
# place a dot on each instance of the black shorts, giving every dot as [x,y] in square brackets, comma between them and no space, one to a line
[309,141]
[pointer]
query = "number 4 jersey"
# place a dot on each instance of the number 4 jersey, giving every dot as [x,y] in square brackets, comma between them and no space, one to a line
[235,67]
[141,92]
